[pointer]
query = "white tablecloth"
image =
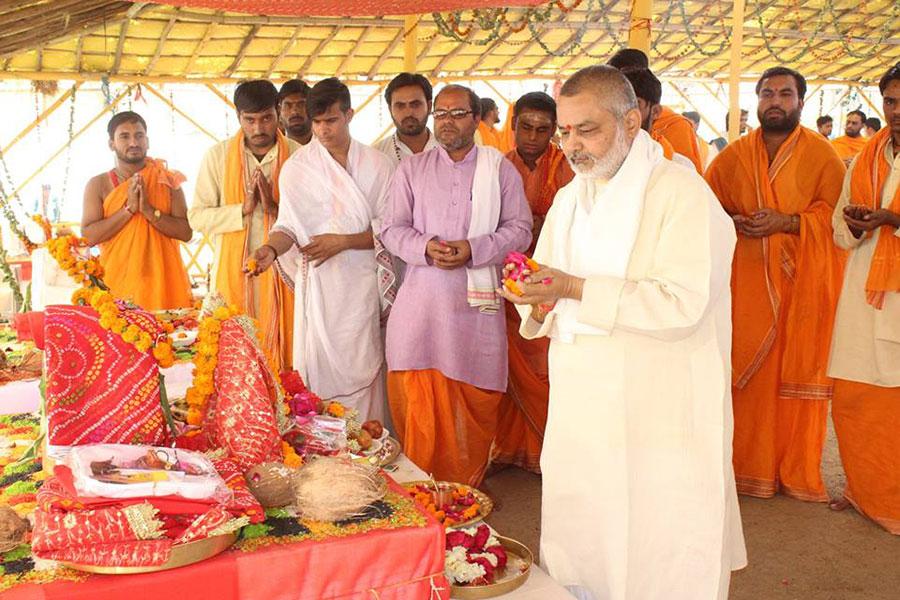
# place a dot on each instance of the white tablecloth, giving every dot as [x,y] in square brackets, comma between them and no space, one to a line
[539,585]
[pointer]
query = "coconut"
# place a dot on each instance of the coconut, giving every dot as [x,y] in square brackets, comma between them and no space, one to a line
[271,483]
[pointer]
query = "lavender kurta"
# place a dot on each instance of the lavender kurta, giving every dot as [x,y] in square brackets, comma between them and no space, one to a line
[432,325]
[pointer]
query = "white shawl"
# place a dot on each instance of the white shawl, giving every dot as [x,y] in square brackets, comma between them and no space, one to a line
[337,340]
[482,283]
[596,227]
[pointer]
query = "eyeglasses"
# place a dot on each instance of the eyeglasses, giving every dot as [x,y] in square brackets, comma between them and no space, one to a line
[456,114]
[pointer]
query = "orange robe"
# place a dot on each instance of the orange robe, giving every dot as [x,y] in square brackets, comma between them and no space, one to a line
[141,263]
[523,409]
[464,450]
[866,411]
[680,132]
[276,305]
[493,137]
[784,293]
[668,150]
[848,147]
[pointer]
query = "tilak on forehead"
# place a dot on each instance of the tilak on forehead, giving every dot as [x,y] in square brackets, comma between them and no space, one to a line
[535,119]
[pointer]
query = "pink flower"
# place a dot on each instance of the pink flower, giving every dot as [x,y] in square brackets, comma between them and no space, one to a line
[500,553]
[292,382]
[459,538]
[481,537]
[303,403]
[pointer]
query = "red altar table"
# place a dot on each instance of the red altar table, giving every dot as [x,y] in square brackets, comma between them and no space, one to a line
[386,564]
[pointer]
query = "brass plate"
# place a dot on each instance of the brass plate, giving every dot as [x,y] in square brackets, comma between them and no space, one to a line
[510,581]
[181,556]
[485,502]
[389,452]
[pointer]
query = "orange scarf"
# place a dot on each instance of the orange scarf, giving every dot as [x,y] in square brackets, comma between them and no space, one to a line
[866,185]
[804,270]
[679,131]
[492,137]
[848,147]
[668,150]
[276,302]
[140,262]
[542,184]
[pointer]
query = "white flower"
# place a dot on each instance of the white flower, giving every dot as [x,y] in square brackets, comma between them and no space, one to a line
[458,569]
[491,558]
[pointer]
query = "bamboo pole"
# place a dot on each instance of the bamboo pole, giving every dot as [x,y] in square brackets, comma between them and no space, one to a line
[410,42]
[694,106]
[171,105]
[639,31]
[371,97]
[75,136]
[498,92]
[47,112]
[219,93]
[871,105]
[734,79]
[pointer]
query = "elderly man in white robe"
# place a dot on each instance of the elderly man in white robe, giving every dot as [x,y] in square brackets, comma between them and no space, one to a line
[333,194]
[639,499]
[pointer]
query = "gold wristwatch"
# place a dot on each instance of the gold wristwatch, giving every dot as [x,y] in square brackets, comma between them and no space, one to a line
[157,215]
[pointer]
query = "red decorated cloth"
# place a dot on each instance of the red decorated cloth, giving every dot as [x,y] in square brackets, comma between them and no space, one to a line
[393,564]
[240,416]
[347,7]
[100,389]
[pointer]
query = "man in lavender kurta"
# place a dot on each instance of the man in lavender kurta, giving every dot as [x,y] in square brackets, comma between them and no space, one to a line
[454,214]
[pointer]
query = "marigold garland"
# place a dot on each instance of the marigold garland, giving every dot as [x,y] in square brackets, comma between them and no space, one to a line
[205,361]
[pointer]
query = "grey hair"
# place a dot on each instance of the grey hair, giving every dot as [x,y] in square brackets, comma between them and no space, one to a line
[611,87]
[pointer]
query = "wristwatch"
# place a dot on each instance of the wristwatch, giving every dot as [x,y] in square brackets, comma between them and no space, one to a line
[157,215]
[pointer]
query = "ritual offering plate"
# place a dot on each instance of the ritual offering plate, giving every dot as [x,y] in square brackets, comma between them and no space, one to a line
[181,556]
[183,338]
[388,450]
[452,504]
[479,563]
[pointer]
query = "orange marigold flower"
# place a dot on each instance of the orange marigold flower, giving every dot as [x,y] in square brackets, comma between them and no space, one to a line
[194,417]
[336,409]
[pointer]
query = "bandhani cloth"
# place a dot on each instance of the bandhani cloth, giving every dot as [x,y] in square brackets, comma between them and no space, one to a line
[679,131]
[141,263]
[276,301]
[100,389]
[866,183]
[241,415]
[847,147]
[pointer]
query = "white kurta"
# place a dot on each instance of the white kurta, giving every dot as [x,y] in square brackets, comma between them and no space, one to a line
[639,499]
[338,347]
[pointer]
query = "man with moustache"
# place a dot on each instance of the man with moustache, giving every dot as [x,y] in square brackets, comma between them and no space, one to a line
[780,184]
[638,492]
[454,214]
[136,213]
[408,97]
[236,203]
[849,145]
[292,111]
[334,190]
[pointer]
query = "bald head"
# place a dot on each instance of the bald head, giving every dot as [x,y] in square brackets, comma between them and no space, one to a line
[609,86]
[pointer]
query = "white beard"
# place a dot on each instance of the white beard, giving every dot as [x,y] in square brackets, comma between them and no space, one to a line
[606,166]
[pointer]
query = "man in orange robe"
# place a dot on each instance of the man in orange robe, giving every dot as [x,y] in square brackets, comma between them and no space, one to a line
[544,170]
[668,124]
[487,134]
[780,184]
[236,203]
[851,143]
[136,213]
[865,353]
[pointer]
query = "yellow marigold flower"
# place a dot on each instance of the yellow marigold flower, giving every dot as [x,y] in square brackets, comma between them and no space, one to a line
[143,345]
[336,409]
[107,322]
[120,325]
[222,313]
[131,334]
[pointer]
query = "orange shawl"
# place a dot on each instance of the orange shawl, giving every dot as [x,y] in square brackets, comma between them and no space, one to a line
[492,137]
[785,287]
[141,263]
[551,173]
[848,147]
[679,131]
[668,150]
[276,302]
[866,185]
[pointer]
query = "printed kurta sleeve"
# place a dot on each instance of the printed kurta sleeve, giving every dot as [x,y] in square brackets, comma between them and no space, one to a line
[209,214]
[513,230]
[691,268]
[398,234]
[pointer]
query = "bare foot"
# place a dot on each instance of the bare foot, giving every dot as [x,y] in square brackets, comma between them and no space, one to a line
[839,504]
